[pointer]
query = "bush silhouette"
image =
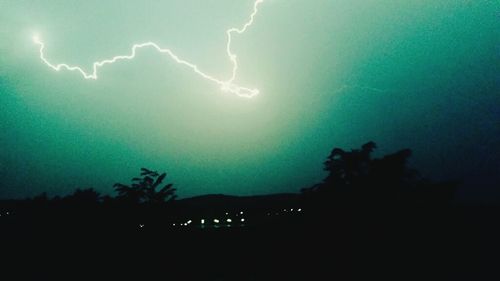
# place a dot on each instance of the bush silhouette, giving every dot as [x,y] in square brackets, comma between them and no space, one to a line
[83,197]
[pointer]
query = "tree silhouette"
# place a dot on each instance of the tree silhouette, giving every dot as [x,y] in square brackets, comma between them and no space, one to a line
[144,189]
[354,177]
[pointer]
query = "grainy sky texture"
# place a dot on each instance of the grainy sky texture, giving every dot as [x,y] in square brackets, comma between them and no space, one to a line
[332,73]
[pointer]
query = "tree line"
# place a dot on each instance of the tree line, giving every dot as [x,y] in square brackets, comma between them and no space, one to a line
[354,177]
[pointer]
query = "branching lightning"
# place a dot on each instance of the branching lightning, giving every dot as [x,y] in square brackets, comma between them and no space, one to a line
[226,85]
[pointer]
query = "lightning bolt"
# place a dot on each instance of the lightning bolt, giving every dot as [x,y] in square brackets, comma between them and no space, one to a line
[225,85]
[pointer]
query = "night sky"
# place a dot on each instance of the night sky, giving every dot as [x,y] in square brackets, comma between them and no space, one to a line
[332,73]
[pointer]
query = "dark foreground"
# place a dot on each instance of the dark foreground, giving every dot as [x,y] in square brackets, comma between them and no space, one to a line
[453,243]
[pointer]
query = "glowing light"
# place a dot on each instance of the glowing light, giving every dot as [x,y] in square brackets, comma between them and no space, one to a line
[299,210]
[242,220]
[216,220]
[202,221]
[229,220]
[225,85]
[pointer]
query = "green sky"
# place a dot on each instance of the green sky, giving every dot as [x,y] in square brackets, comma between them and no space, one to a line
[410,73]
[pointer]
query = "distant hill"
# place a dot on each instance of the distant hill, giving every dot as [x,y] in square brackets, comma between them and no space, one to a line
[205,205]
[220,202]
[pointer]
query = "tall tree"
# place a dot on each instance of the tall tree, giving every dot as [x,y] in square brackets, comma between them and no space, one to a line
[354,176]
[145,189]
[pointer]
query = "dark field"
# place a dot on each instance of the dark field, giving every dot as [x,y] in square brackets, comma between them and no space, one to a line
[47,242]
